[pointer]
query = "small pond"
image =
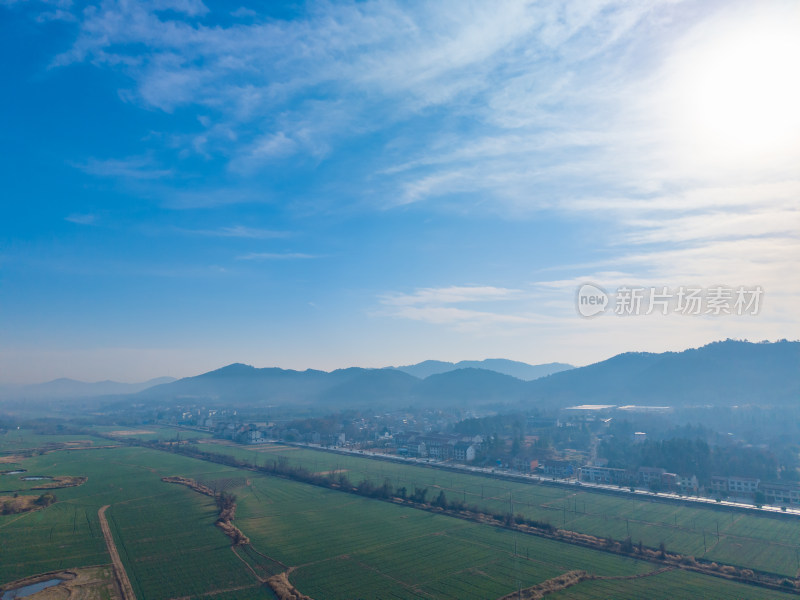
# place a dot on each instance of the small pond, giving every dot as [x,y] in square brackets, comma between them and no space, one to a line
[29,590]
[35,477]
[15,472]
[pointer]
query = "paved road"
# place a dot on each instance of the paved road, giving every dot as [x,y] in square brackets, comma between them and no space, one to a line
[668,496]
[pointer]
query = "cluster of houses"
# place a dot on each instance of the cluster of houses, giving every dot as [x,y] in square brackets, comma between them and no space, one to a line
[650,477]
[438,446]
[466,448]
[661,479]
[748,487]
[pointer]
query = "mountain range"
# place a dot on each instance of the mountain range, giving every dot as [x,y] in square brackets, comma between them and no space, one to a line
[517,369]
[722,373]
[72,388]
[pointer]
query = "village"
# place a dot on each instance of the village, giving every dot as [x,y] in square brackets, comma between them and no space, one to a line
[560,446]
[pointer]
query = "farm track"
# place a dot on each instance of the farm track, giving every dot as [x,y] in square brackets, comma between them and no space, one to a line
[120,574]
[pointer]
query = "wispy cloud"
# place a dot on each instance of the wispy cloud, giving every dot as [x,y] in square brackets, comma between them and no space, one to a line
[82,219]
[496,307]
[136,167]
[243,12]
[450,295]
[210,198]
[353,68]
[257,256]
[239,231]
[465,319]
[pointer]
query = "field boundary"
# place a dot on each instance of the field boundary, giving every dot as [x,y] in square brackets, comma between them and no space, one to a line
[762,579]
[120,575]
[279,584]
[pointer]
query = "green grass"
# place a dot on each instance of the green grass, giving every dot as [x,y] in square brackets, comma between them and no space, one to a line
[26,439]
[343,546]
[767,543]
[164,532]
[347,547]
[665,586]
[150,432]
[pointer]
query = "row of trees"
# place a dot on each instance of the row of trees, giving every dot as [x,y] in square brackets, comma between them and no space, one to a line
[339,480]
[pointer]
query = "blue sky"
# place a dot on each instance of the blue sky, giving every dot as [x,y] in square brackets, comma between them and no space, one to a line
[187,184]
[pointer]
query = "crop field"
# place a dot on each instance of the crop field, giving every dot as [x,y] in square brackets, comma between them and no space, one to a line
[663,586]
[768,543]
[151,432]
[165,533]
[399,552]
[345,546]
[340,546]
[25,439]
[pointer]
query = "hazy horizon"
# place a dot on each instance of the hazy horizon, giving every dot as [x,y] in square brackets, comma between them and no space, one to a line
[192,373]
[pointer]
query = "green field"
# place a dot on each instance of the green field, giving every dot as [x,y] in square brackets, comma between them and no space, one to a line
[164,532]
[671,585]
[26,439]
[341,546]
[767,543]
[349,545]
[151,432]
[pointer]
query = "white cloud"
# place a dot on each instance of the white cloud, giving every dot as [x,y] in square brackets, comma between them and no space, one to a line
[239,231]
[450,295]
[82,219]
[135,167]
[210,198]
[275,256]
[505,108]
[243,12]
[362,55]
[465,319]
[497,309]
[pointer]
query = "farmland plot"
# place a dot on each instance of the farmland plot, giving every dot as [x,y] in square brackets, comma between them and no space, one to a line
[165,533]
[343,546]
[768,543]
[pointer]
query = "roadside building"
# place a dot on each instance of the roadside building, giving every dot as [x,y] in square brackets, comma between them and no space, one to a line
[740,487]
[650,476]
[604,475]
[558,468]
[783,494]
[687,484]
[464,452]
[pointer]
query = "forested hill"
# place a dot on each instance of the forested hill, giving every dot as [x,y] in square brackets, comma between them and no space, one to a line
[722,373]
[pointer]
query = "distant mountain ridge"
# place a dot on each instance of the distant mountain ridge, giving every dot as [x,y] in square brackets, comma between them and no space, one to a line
[721,373]
[72,388]
[520,370]
[726,373]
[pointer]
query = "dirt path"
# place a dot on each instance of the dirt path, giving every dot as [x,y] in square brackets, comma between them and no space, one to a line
[119,571]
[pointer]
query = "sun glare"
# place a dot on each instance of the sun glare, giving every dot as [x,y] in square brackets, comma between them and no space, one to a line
[735,95]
